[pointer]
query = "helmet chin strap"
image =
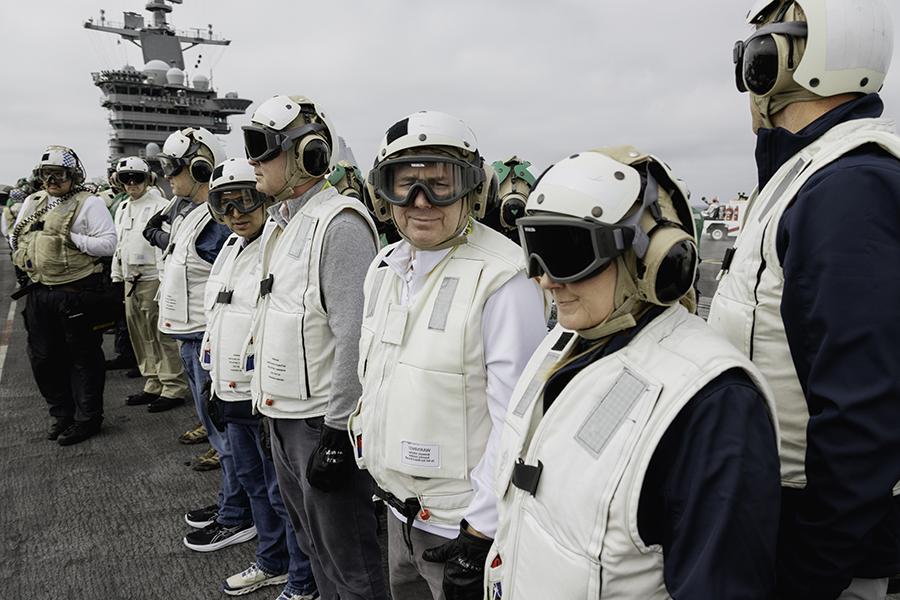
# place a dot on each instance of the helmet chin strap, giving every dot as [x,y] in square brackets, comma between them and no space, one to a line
[768,106]
[627,304]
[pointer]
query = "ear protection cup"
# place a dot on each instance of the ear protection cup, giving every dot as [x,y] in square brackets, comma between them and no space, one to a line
[486,195]
[669,266]
[313,155]
[200,169]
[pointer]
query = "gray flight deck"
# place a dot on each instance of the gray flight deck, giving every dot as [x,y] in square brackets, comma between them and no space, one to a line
[102,520]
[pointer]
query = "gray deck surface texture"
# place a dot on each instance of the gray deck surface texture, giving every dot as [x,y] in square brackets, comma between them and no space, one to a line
[102,520]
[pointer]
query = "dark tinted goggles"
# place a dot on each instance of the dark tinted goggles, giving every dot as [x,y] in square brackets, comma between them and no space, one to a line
[170,166]
[443,179]
[131,177]
[756,58]
[244,200]
[569,249]
[262,144]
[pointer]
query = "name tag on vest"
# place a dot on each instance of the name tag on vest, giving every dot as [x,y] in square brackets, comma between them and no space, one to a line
[420,455]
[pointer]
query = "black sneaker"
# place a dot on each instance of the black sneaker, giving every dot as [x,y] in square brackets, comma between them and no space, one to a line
[201,517]
[216,536]
[78,432]
[57,427]
[163,403]
[142,398]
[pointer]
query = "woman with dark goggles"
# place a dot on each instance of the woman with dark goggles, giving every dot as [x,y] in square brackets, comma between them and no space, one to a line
[568,249]
[442,179]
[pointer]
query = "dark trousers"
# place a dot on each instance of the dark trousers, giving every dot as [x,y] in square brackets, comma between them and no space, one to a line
[122,343]
[66,352]
[337,529]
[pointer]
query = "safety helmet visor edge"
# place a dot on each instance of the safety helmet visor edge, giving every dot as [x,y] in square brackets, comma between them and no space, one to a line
[443,179]
[570,249]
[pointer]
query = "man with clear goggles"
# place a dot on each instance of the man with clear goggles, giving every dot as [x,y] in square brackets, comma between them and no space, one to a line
[451,319]
[57,240]
[631,408]
[135,263]
[823,223]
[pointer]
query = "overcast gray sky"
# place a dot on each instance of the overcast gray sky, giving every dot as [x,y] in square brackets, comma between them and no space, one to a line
[540,79]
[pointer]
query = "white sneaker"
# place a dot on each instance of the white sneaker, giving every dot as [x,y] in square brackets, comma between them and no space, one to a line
[250,579]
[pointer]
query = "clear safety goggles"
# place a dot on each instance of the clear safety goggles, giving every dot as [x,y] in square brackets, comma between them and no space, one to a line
[170,165]
[443,179]
[756,59]
[131,177]
[244,200]
[569,249]
[49,175]
[262,144]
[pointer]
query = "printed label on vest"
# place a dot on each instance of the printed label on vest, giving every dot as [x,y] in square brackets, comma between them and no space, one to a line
[416,454]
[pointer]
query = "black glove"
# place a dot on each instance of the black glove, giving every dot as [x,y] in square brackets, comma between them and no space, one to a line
[265,437]
[332,462]
[154,223]
[464,559]
[215,411]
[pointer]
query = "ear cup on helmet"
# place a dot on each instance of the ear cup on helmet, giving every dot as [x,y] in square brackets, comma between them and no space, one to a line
[669,265]
[314,155]
[486,196]
[201,169]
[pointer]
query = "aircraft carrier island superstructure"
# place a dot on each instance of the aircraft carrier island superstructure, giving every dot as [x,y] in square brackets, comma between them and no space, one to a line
[148,104]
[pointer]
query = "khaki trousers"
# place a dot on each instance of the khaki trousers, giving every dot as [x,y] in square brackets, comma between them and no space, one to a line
[157,354]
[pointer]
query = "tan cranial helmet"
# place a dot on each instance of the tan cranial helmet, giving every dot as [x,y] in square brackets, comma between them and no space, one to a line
[804,50]
[295,124]
[613,204]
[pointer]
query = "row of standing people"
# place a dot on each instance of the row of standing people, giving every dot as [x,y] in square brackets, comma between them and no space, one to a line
[632,452]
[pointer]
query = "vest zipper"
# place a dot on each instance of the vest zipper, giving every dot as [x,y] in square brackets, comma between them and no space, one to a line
[759,272]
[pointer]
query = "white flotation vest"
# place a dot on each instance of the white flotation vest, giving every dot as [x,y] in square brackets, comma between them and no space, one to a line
[233,288]
[181,294]
[569,481]
[422,422]
[135,254]
[291,347]
[746,308]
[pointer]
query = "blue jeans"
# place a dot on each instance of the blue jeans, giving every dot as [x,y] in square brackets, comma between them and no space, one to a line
[276,546]
[234,506]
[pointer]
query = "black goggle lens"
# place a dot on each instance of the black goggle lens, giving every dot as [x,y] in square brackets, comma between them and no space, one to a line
[564,250]
[760,64]
[132,178]
[256,146]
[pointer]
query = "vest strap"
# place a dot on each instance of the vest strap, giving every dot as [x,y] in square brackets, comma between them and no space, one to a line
[224,297]
[409,508]
[265,286]
[526,477]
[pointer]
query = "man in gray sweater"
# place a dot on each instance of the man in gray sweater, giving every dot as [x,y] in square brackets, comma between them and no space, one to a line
[303,347]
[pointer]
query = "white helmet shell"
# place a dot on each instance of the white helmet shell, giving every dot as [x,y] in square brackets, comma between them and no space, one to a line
[233,172]
[179,143]
[132,164]
[849,44]
[586,185]
[59,156]
[427,128]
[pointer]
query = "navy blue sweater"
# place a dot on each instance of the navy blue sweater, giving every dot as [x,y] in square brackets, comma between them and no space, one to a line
[839,246]
[710,495]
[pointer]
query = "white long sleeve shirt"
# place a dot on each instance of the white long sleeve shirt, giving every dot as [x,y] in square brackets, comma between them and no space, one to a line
[93,231]
[513,326]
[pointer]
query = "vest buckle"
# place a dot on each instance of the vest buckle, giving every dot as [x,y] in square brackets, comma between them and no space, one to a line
[265,286]
[526,477]
[224,297]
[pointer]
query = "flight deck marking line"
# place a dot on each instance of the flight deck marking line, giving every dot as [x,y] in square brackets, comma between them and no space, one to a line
[6,335]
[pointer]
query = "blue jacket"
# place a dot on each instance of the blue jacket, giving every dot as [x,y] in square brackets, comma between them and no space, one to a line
[710,495]
[839,246]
